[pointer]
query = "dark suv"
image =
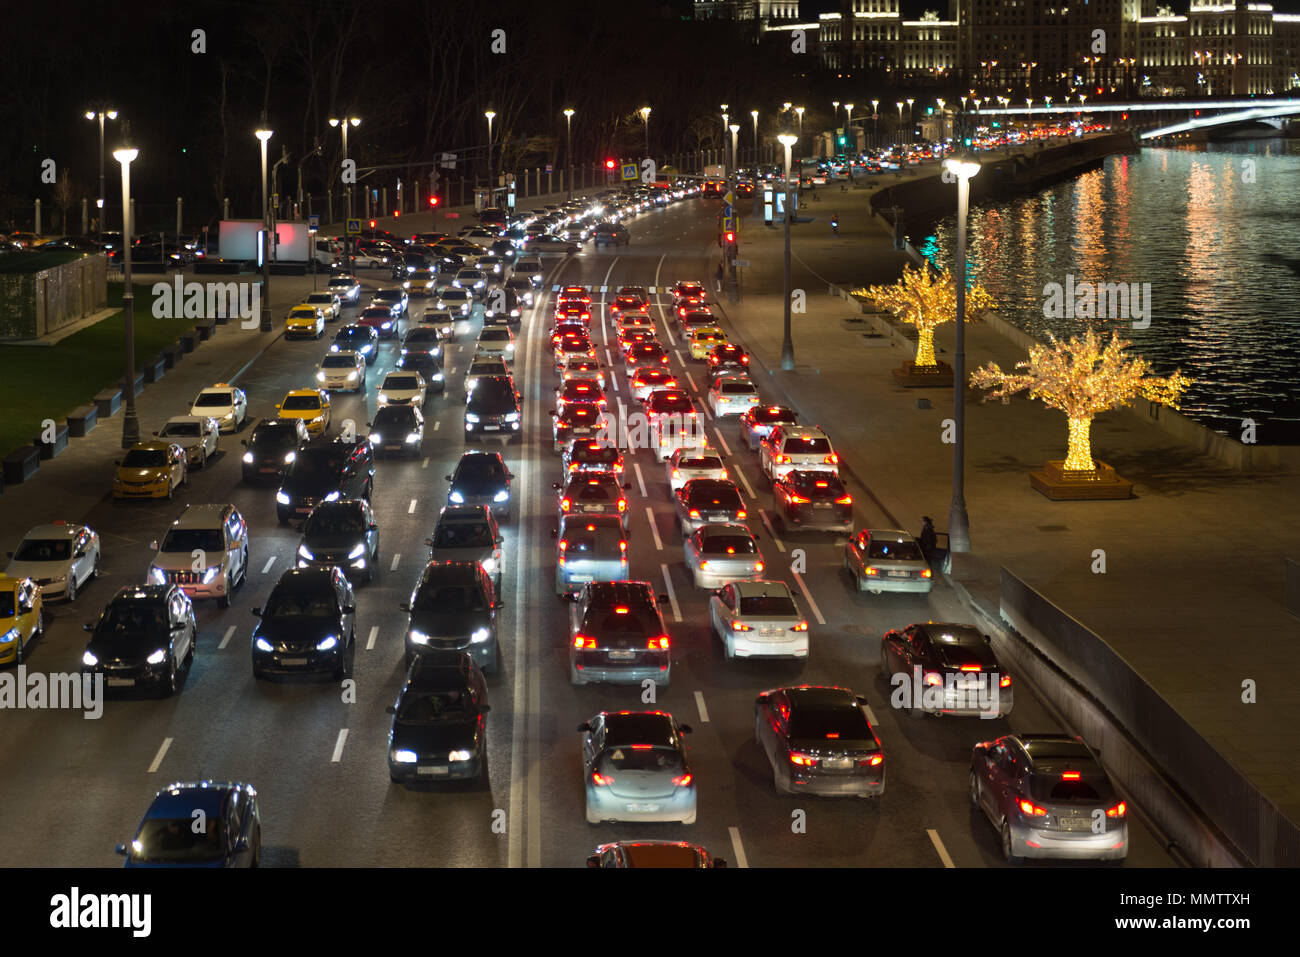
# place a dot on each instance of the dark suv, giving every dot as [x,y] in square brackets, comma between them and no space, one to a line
[494,408]
[342,533]
[272,447]
[307,625]
[454,608]
[145,636]
[481,478]
[617,634]
[327,470]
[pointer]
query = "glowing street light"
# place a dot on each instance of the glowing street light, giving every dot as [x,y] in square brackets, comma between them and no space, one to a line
[130,422]
[568,148]
[787,345]
[101,115]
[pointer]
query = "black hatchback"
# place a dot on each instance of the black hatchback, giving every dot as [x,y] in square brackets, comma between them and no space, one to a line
[272,447]
[439,731]
[342,533]
[493,408]
[144,637]
[307,625]
[327,470]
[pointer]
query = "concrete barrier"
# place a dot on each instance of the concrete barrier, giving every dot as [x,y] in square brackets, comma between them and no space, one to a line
[138,383]
[189,340]
[60,444]
[173,354]
[82,421]
[154,369]
[21,464]
[206,329]
[108,402]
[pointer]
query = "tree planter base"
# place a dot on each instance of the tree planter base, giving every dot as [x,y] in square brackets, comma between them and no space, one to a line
[1062,485]
[912,376]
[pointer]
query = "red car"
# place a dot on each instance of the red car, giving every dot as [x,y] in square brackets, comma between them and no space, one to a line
[379,318]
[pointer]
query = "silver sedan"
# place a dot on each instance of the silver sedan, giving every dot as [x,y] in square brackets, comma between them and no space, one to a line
[758,619]
[718,554]
[636,768]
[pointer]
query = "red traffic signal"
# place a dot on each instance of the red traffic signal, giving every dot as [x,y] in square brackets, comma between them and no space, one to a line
[610,164]
[433,200]
[372,224]
[729,237]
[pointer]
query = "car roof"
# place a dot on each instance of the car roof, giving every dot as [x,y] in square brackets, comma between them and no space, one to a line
[953,633]
[142,592]
[55,530]
[153,446]
[202,516]
[305,578]
[450,571]
[438,669]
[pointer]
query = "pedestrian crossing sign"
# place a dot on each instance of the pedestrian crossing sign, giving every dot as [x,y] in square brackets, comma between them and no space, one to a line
[629,171]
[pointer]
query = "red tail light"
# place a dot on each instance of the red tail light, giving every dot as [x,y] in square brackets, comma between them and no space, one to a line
[846,500]
[871,571]
[872,761]
[682,780]
[802,626]
[803,760]
[563,544]
[933,678]
[622,505]
[622,610]
[1029,807]
[601,780]
[970,667]
[741,513]
[622,546]
[927,573]
[741,626]
[1005,682]
[796,499]
[582,641]
[758,566]
[782,459]
[564,504]
[694,513]
[1118,810]
[831,459]
[658,643]
[1070,775]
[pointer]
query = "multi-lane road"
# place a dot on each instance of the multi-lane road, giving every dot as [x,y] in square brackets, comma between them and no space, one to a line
[74,788]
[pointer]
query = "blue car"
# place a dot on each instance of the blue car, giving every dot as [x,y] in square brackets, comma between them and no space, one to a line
[199,824]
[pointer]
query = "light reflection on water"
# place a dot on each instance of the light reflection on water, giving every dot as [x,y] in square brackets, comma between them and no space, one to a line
[1222,255]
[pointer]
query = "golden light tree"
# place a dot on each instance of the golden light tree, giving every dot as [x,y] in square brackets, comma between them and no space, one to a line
[1082,378]
[926,299]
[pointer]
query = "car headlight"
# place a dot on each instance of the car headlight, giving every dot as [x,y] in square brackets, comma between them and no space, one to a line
[261,644]
[352,376]
[461,755]
[281,498]
[289,457]
[501,496]
[305,552]
[334,347]
[480,635]
[228,416]
[489,564]
[89,659]
[357,551]
[404,756]
[320,376]
[471,416]
[157,576]
[157,657]
[383,399]
[9,636]
[332,496]
[512,416]
[455,498]
[248,458]
[210,574]
[417,636]
[325,644]
[367,348]
[386,325]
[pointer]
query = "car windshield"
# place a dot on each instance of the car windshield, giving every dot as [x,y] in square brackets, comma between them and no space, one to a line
[848,723]
[494,335]
[895,551]
[134,617]
[479,469]
[641,758]
[400,382]
[212,400]
[174,839]
[768,605]
[399,416]
[463,535]
[347,335]
[43,550]
[430,708]
[449,599]
[189,539]
[292,603]
[326,461]
[492,393]
[334,520]
[273,435]
[339,361]
[301,402]
[144,458]
[180,429]
[6,604]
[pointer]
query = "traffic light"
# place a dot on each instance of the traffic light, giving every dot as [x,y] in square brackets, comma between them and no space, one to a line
[372,224]
[729,238]
[433,202]
[610,164]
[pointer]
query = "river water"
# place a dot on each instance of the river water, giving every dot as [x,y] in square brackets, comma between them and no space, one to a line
[1214,230]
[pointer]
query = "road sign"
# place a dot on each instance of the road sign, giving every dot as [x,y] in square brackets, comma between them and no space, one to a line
[729,199]
[549,168]
[353,227]
[727,211]
[740,263]
[729,224]
[630,171]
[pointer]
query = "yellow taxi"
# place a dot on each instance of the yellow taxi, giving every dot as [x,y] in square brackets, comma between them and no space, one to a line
[703,339]
[310,405]
[151,470]
[20,617]
[304,320]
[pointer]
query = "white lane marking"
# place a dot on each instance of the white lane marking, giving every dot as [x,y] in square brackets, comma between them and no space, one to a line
[396,558]
[640,480]
[737,848]
[374,633]
[654,529]
[691,379]
[269,562]
[817,612]
[740,473]
[410,509]
[871,716]
[225,639]
[338,746]
[780,546]
[699,703]
[436,426]
[672,595]
[613,382]
[425,463]
[678,354]
[157,758]
[938,846]
[723,442]
[672,341]
[609,360]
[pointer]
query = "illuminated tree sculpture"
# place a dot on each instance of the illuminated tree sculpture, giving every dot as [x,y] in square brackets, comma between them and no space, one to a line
[1081,378]
[925,299]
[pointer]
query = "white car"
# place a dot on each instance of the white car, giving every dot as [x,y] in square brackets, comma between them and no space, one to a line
[455,300]
[493,264]
[686,464]
[530,267]
[403,388]
[196,434]
[582,367]
[496,340]
[204,553]
[225,403]
[718,554]
[345,286]
[732,396]
[758,619]
[59,557]
[328,302]
[342,370]
[443,319]
[472,279]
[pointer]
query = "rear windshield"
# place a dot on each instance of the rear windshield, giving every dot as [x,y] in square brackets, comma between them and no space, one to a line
[591,544]
[807,446]
[1074,791]
[736,388]
[463,535]
[700,462]
[895,551]
[628,758]
[713,496]
[848,723]
[775,605]
[593,493]
[729,545]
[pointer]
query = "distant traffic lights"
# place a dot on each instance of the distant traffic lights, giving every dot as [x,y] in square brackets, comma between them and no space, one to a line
[610,164]
[729,238]
[372,224]
[433,201]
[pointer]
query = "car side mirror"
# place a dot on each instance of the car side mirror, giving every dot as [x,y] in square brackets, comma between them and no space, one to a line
[87,627]
[498,604]
[390,710]
[988,639]
[585,726]
[429,542]
[447,477]
[120,849]
[593,861]
[277,407]
[179,626]
[498,540]
[404,606]
[862,701]
[555,533]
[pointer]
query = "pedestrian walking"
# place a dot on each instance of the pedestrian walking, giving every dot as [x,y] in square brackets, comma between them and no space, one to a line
[835,223]
[717,276]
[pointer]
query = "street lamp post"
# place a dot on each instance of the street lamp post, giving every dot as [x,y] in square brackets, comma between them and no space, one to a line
[899,104]
[266,325]
[799,113]
[568,149]
[100,115]
[787,344]
[733,287]
[645,119]
[130,422]
[911,120]
[490,116]
[754,115]
[963,167]
[848,126]
[344,123]
[875,122]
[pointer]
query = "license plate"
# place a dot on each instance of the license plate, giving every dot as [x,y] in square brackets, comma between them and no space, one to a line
[268,471]
[771,632]
[582,578]
[826,505]
[120,682]
[1075,823]
[432,770]
[593,508]
[304,510]
[903,574]
[622,655]
[646,808]
[837,763]
[293,661]
[491,428]
[391,448]
[717,518]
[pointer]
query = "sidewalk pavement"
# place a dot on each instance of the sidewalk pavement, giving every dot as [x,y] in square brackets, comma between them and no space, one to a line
[1191,594]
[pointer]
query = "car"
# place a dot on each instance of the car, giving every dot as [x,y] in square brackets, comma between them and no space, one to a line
[790,447]
[592,493]
[617,635]
[481,478]
[573,295]
[572,346]
[673,422]
[272,447]
[223,402]
[204,553]
[397,429]
[522,287]
[441,320]
[627,338]
[945,668]
[483,365]
[502,305]
[325,470]
[586,455]
[505,250]
[688,291]
[576,420]
[403,388]
[198,824]
[579,390]
[817,740]
[427,365]
[421,282]
[196,434]
[647,380]
[718,554]
[758,619]
[589,548]
[574,312]
[304,321]
[604,234]
[573,232]
[684,465]
[493,407]
[150,470]
[469,533]
[310,405]
[582,366]
[22,617]
[690,318]
[529,266]
[342,370]
[565,329]
[630,320]
[631,297]
[496,340]
[439,730]
[643,355]
[453,607]
[421,339]
[455,300]
[327,302]
[60,557]
[648,854]
[759,421]
[702,340]
[144,636]
[341,533]
[816,500]
[545,244]
[1049,797]
[472,279]
[345,286]
[359,338]
[636,768]
[394,297]
[730,396]
[308,625]
[380,318]
[492,266]
[727,355]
